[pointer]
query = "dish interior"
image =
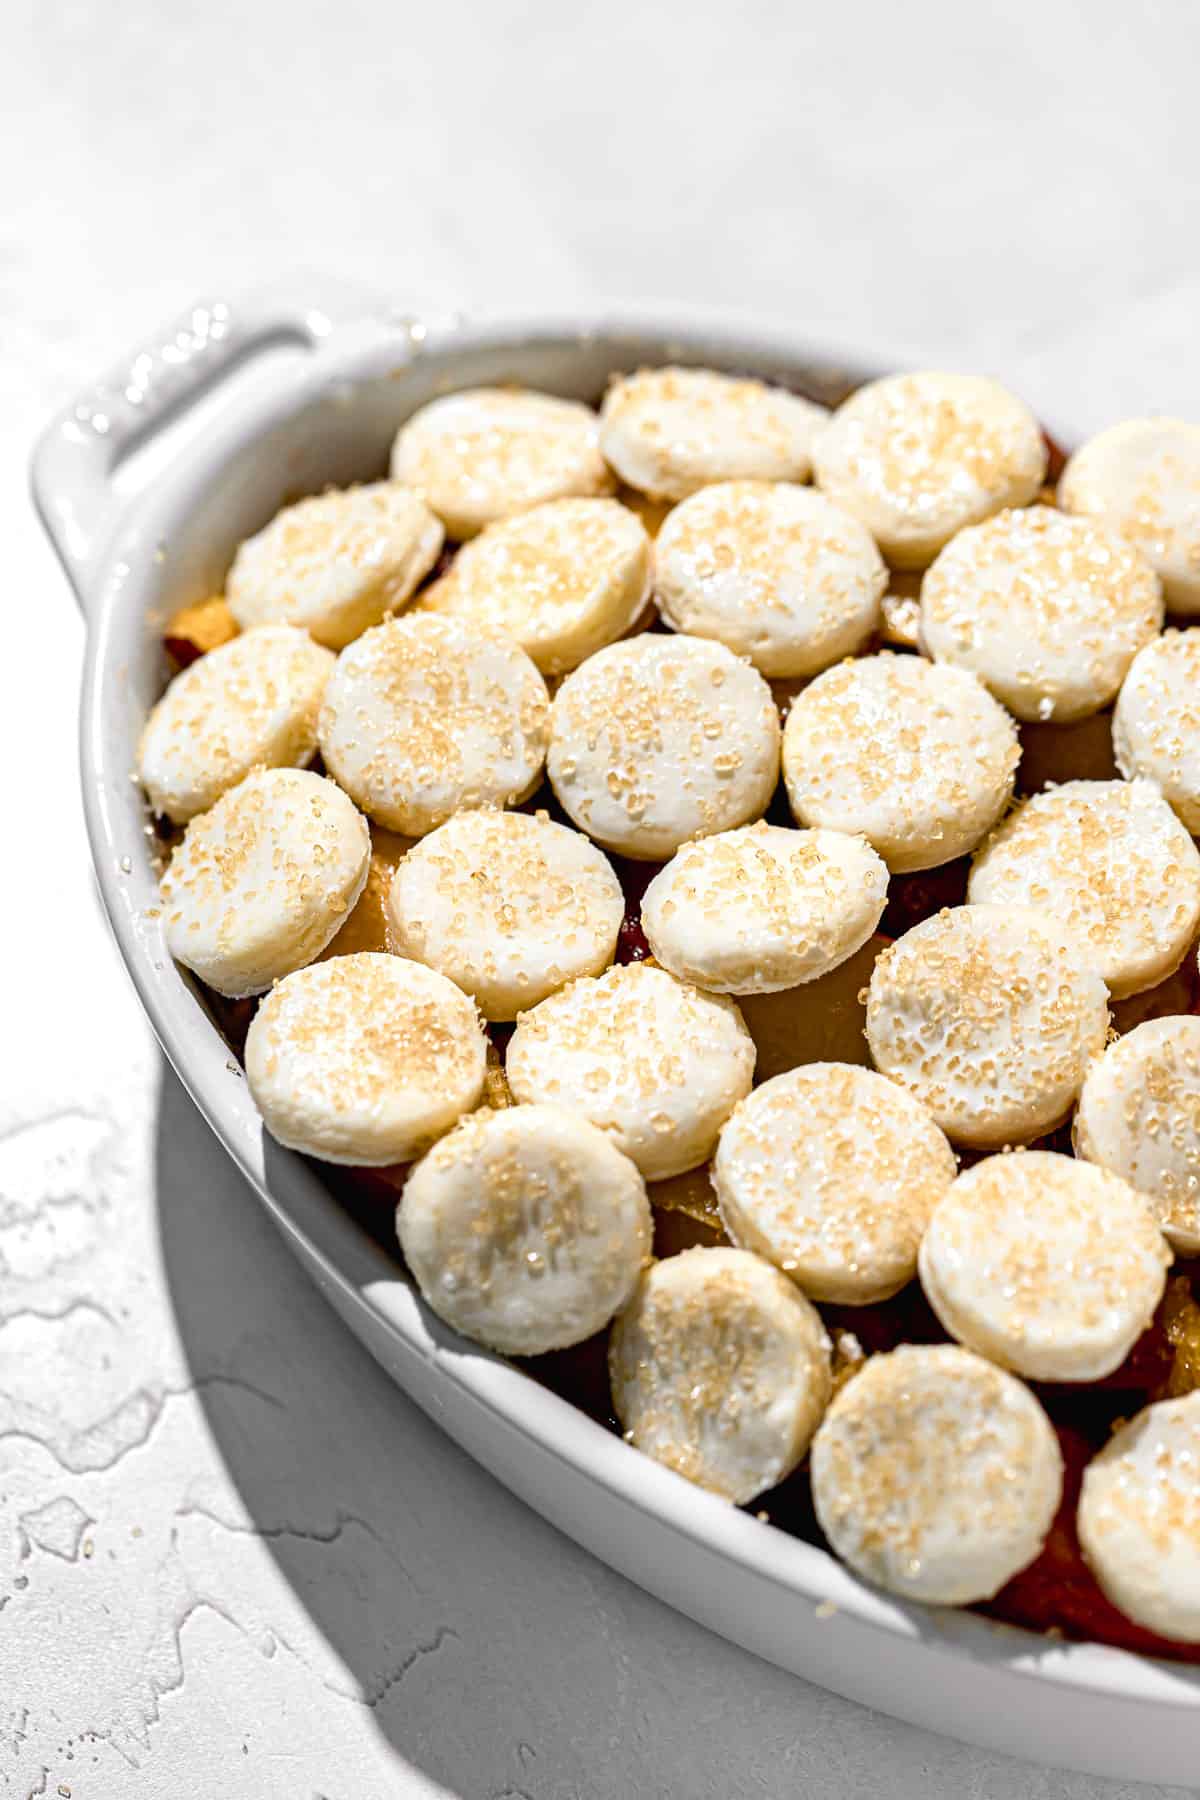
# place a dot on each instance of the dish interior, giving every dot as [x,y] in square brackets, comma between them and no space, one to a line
[340,432]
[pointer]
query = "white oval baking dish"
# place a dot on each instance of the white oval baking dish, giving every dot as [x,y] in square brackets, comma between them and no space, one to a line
[327,413]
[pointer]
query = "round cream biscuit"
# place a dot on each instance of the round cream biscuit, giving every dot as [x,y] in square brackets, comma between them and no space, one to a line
[1048,1266]
[1156,723]
[511,906]
[263,880]
[832,1172]
[720,1370]
[1049,611]
[652,1061]
[424,717]
[252,703]
[561,580]
[525,1229]
[335,563]
[661,739]
[936,1475]
[774,571]
[1139,1115]
[990,1015]
[763,908]
[668,432]
[916,756]
[1111,862]
[486,453]
[364,1059]
[917,457]
[1142,479]
[1139,1518]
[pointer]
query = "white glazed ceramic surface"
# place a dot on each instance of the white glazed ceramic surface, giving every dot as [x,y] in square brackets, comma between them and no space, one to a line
[328,415]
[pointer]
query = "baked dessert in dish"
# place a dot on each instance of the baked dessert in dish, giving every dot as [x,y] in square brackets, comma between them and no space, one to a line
[711,881]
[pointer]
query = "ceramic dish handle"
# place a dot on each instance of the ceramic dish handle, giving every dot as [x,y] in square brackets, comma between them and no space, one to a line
[78,456]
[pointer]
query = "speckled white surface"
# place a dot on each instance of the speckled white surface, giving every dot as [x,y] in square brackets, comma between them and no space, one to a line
[233,1559]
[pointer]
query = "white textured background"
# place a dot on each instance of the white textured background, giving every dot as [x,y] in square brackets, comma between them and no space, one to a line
[233,1560]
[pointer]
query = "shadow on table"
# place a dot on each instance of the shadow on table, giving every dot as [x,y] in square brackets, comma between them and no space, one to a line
[494,1655]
